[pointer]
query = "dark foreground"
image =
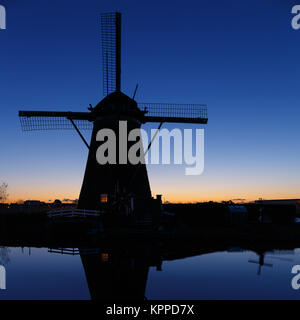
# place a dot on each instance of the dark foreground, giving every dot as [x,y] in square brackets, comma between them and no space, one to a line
[33,228]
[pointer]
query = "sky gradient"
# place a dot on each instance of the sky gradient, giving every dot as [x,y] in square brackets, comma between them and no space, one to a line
[241,58]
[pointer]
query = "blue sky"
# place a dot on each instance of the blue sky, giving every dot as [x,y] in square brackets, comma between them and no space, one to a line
[241,58]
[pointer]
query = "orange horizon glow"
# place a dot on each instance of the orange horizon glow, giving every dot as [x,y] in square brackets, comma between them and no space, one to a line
[187,190]
[167,197]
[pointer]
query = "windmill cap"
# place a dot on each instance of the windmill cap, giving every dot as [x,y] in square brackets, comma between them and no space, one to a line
[117,102]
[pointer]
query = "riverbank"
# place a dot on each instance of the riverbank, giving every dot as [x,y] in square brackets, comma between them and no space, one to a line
[23,227]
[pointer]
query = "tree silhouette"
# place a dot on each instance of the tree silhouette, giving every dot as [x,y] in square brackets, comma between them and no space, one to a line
[3,192]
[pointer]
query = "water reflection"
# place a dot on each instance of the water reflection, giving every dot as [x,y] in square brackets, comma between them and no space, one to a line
[4,255]
[260,262]
[142,270]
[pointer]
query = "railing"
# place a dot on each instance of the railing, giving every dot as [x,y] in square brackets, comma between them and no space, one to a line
[67,251]
[74,251]
[74,213]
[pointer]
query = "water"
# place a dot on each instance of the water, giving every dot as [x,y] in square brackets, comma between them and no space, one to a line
[36,273]
[226,275]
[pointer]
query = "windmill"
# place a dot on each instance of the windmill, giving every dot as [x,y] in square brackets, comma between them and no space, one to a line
[109,183]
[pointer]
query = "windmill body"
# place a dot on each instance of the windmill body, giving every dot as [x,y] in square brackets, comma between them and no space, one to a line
[113,180]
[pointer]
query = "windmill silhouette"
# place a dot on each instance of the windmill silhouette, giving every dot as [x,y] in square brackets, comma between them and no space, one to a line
[113,183]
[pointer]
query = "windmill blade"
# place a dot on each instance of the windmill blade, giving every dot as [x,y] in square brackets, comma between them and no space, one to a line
[253,261]
[111,51]
[268,264]
[171,112]
[259,270]
[51,120]
[264,264]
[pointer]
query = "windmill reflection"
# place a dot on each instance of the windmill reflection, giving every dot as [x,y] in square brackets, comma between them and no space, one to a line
[115,276]
[262,255]
[118,273]
[260,262]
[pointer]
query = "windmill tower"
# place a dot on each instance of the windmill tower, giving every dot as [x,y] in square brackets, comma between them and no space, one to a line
[112,183]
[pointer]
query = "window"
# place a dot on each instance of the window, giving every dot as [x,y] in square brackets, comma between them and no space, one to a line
[103,198]
[104,257]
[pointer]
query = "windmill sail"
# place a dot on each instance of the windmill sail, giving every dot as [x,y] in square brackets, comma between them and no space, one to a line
[54,120]
[155,112]
[111,51]
[172,112]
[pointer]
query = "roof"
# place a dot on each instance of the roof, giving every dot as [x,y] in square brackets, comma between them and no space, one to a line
[279,201]
[117,102]
[237,209]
